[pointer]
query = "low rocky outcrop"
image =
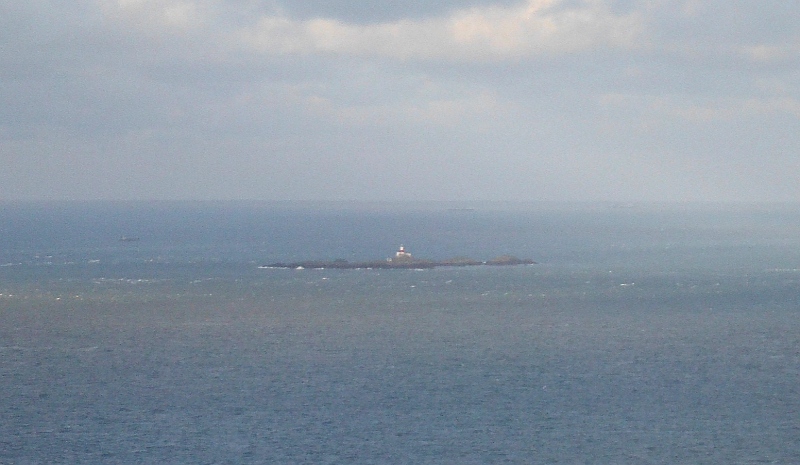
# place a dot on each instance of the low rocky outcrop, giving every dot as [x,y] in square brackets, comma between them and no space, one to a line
[405,263]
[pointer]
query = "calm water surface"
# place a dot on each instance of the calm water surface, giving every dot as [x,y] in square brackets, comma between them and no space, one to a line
[656,334]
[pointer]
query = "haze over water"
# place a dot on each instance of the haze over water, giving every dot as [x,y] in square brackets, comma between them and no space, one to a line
[645,334]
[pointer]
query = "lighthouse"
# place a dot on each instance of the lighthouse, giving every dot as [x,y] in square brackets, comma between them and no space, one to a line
[401,254]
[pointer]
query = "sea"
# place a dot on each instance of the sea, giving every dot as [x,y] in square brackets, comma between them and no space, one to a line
[154,333]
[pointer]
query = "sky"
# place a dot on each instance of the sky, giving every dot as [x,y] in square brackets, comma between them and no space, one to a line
[401,100]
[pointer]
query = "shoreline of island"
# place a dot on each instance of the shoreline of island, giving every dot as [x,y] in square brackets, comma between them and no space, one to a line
[383,265]
[401,260]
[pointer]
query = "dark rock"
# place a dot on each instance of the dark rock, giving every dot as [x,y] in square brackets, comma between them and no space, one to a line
[405,263]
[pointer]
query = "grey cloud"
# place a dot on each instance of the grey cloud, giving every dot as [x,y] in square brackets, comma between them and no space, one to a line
[365,12]
[129,106]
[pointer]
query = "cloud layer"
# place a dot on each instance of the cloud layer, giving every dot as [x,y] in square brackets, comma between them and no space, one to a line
[480,33]
[504,100]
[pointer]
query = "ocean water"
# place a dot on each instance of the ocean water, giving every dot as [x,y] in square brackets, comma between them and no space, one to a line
[646,334]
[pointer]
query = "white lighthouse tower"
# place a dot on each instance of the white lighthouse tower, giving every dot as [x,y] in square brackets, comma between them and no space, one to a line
[401,254]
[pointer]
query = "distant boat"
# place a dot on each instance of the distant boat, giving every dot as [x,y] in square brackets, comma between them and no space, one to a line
[128,239]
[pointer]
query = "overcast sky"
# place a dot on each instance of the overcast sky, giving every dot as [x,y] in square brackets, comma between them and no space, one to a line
[617,100]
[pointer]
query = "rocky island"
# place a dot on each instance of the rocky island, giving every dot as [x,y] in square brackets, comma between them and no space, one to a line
[402,260]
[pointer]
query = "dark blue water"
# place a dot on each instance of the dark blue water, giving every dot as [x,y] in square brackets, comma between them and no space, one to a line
[646,334]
